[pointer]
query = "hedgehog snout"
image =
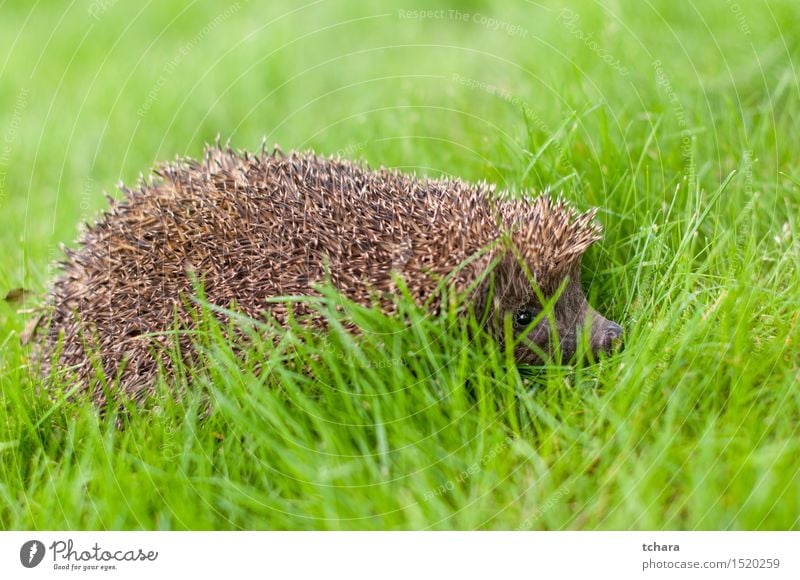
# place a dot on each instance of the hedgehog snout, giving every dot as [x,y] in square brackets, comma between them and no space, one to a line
[613,333]
[606,335]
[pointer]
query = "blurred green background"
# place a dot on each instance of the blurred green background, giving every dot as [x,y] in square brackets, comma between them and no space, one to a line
[97,92]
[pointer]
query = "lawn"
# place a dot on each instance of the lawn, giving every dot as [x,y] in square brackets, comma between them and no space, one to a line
[677,120]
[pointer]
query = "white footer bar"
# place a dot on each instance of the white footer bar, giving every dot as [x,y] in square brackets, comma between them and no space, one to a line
[415,555]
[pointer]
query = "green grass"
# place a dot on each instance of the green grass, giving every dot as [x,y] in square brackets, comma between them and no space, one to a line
[677,120]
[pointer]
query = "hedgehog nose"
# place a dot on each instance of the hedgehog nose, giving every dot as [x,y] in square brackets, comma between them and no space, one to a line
[612,336]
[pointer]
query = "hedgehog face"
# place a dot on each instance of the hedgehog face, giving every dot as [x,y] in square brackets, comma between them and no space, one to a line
[543,241]
[570,320]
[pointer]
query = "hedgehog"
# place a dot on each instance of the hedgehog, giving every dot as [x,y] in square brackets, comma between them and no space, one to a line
[254,227]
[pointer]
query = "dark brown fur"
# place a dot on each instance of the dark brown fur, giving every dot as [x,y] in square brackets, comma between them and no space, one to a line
[253,227]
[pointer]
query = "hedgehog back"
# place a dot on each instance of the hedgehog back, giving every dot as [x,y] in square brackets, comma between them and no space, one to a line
[250,228]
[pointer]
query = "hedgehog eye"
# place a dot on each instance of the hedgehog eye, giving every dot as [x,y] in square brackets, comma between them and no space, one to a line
[523,317]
